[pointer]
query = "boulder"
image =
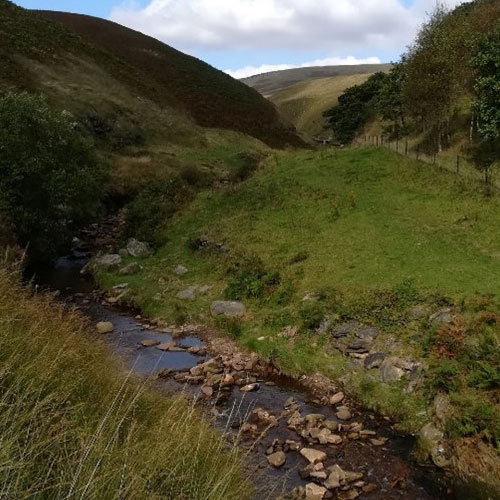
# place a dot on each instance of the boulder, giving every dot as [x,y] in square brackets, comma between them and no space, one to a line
[313,456]
[105,327]
[130,269]
[227,308]
[277,459]
[138,249]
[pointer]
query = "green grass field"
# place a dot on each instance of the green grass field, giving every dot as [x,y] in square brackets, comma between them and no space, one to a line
[366,218]
[366,232]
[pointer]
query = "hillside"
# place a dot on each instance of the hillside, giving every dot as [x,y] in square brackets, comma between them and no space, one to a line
[211,97]
[148,115]
[269,83]
[304,103]
[360,235]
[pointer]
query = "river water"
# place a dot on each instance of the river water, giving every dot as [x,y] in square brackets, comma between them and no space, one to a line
[388,467]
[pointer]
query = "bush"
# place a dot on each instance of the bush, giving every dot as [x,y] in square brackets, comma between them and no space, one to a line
[247,163]
[152,207]
[251,280]
[193,176]
[51,181]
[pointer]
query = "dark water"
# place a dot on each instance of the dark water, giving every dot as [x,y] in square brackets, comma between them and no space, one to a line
[385,466]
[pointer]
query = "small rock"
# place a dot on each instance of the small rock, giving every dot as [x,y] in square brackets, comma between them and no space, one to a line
[369,488]
[188,294]
[138,248]
[343,413]
[379,441]
[313,456]
[180,270]
[107,262]
[390,373]
[277,459]
[207,390]
[149,343]
[166,346]
[315,492]
[105,327]
[348,495]
[374,360]
[249,388]
[130,269]
[345,329]
[292,445]
[227,308]
[368,333]
[337,398]
[442,317]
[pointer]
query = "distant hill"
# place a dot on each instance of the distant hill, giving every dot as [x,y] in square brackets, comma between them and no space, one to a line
[89,65]
[269,83]
[304,103]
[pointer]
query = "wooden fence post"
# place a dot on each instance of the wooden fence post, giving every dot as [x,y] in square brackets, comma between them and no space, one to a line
[458,164]
[406,147]
[397,145]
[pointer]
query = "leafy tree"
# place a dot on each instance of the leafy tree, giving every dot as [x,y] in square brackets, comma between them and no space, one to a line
[486,63]
[390,101]
[50,178]
[355,107]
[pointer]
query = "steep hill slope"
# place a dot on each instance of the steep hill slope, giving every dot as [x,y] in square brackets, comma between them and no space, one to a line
[303,104]
[269,83]
[152,103]
[210,96]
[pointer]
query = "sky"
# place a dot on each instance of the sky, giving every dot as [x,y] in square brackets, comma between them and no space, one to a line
[245,37]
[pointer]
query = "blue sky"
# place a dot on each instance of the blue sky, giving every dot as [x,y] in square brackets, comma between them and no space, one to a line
[246,37]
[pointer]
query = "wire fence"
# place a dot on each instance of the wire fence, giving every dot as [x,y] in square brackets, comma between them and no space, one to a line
[455,163]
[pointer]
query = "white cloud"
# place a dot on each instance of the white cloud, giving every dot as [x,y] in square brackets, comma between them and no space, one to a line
[345,26]
[329,61]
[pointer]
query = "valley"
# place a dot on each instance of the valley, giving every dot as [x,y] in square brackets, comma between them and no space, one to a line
[199,301]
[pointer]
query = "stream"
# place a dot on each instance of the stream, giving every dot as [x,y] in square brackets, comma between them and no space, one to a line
[387,469]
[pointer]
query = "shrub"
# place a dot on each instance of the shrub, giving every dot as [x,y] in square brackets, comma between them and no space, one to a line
[251,280]
[247,163]
[152,207]
[312,313]
[51,181]
[193,176]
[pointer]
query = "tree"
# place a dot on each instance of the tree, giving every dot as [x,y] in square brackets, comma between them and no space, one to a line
[391,104]
[486,63]
[51,181]
[355,107]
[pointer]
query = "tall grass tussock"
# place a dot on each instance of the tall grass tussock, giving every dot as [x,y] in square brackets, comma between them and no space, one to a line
[73,425]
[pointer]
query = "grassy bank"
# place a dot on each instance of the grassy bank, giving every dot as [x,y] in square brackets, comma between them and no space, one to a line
[72,425]
[363,235]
